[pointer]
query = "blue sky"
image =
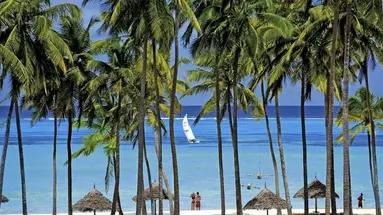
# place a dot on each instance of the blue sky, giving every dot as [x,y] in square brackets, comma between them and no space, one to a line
[290,95]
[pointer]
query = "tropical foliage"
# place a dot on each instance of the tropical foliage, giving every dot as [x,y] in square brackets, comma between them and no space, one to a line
[237,47]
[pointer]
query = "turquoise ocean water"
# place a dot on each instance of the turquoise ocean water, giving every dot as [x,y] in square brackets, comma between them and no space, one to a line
[198,164]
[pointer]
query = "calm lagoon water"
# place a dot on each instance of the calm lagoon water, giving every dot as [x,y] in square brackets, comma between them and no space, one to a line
[198,164]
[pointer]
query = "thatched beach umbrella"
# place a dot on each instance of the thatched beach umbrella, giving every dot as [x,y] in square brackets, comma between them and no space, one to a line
[4,199]
[93,201]
[155,193]
[154,196]
[266,200]
[316,190]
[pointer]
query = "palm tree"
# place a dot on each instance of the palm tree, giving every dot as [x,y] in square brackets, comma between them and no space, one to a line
[28,39]
[359,113]
[78,39]
[179,6]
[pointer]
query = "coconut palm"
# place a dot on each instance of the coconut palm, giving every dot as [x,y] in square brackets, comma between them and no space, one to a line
[78,39]
[30,37]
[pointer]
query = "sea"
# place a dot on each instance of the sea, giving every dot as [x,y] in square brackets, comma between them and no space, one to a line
[198,163]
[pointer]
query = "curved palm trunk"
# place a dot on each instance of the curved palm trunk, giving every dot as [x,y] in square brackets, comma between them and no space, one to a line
[304,146]
[150,180]
[115,173]
[69,157]
[165,178]
[346,146]
[372,152]
[158,130]
[21,158]
[117,160]
[370,158]
[140,168]
[5,147]
[235,136]
[54,210]
[330,111]
[272,153]
[172,115]
[282,156]
[219,138]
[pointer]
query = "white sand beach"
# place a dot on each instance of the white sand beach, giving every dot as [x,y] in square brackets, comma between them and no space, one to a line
[228,212]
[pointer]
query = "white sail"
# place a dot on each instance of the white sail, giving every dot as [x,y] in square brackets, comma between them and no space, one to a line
[187,129]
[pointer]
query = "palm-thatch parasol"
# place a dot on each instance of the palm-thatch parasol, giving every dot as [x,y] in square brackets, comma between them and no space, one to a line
[93,201]
[266,200]
[4,199]
[155,193]
[316,190]
[154,196]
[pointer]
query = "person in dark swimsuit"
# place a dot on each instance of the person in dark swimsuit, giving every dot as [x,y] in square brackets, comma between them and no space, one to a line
[193,203]
[360,201]
[198,201]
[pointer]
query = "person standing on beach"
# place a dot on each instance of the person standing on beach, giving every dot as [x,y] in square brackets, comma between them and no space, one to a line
[192,196]
[360,201]
[198,201]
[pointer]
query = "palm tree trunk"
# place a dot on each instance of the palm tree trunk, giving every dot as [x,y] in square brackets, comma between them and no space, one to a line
[165,178]
[330,111]
[235,136]
[150,180]
[272,153]
[172,115]
[140,168]
[5,147]
[158,130]
[304,146]
[120,212]
[219,136]
[346,146]
[69,157]
[21,157]
[117,155]
[372,152]
[282,156]
[271,147]
[370,158]
[54,210]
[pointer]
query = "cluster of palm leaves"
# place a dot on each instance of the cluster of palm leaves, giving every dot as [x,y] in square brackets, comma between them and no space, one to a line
[241,45]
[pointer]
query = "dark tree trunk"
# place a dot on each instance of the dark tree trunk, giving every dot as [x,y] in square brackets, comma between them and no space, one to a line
[172,115]
[372,151]
[54,210]
[149,179]
[346,146]
[271,147]
[116,192]
[235,136]
[370,159]
[282,156]
[158,130]
[165,178]
[330,110]
[21,158]
[304,146]
[140,168]
[219,137]
[5,147]
[69,157]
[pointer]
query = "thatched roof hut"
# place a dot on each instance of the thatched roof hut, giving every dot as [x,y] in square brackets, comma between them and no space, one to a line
[4,199]
[155,193]
[266,200]
[316,190]
[93,201]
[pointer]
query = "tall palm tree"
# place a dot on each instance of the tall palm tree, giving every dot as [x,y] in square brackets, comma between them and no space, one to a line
[31,36]
[347,206]
[78,39]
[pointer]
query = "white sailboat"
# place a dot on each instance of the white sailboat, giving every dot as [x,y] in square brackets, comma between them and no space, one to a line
[188,131]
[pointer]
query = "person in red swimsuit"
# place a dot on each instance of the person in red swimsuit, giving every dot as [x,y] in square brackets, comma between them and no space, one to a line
[198,201]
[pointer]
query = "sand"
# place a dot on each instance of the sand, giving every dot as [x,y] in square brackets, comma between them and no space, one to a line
[228,212]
